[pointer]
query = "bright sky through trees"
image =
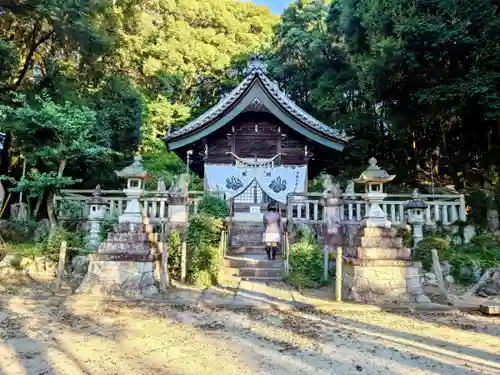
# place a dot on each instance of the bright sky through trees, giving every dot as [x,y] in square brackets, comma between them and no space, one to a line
[276,6]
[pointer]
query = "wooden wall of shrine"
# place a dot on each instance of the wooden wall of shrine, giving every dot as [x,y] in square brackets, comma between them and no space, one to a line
[256,134]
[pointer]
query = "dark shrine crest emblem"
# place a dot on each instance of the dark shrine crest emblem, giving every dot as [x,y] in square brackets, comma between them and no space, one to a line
[233,183]
[278,185]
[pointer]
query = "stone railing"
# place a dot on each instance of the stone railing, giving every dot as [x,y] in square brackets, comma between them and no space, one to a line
[74,203]
[307,208]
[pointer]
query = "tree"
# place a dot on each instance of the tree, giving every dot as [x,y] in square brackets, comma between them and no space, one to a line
[52,135]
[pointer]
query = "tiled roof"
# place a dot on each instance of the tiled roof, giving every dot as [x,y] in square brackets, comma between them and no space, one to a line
[257,69]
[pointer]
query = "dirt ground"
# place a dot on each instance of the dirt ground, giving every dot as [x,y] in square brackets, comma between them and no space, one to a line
[120,338]
[81,336]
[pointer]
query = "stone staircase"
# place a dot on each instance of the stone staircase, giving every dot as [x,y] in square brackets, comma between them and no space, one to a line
[246,256]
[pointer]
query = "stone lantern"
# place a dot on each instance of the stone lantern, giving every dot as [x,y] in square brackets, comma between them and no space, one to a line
[374,178]
[135,174]
[415,209]
[98,207]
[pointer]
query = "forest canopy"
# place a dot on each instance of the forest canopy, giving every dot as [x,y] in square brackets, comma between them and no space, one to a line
[415,82]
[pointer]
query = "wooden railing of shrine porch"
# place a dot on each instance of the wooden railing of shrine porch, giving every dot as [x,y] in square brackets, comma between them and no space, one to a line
[306,208]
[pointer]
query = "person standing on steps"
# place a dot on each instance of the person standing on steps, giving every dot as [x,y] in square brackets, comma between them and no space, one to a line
[272,224]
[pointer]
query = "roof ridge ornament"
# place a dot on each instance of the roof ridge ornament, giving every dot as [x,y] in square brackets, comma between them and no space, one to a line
[256,62]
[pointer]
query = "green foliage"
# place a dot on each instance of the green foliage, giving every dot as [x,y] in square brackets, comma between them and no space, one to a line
[422,252]
[405,234]
[482,253]
[26,250]
[174,244]
[204,248]
[306,263]
[414,82]
[107,225]
[16,232]
[52,245]
[213,206]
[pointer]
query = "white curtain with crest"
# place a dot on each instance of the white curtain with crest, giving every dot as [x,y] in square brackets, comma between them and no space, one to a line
[228,179]
[278,182]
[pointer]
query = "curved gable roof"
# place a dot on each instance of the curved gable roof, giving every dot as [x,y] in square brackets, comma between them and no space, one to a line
[279,104]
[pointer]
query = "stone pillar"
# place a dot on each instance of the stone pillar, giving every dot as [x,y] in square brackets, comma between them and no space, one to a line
[178,222]
[332,227]
[177,209]
[96,214]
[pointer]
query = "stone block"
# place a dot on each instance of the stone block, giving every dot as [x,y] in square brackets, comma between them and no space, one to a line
[382,281]
[383,253]
[381,242]
[378,232]
[490,309]
[10,260]
[79,264]
[119,278]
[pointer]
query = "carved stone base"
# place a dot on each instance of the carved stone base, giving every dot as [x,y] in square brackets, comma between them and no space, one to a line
[123,264]
[378,269]
[119,277]
[381,281]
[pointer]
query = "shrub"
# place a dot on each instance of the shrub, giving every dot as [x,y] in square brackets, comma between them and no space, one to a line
[405,234]
[422,252]
[306,263]
[213,206]
[174,245]
[13,231]
[107,226]
[202,279]
[26,250]
[482,253]
[52,244]
[203,245]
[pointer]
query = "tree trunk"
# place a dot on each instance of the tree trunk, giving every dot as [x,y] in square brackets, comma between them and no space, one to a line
[50,211]
[50,198]
[62,166]
[37,206]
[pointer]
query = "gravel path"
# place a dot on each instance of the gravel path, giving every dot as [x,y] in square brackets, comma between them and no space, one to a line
[118,338]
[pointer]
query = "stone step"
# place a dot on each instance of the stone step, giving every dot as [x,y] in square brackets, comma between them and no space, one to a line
[246,224]
[127,236]
[249,250]
[245,242]
[124,247]
[254,261]
[262,278]
[256,273]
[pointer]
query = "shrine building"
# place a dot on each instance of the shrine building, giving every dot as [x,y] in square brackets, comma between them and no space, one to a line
[256,145]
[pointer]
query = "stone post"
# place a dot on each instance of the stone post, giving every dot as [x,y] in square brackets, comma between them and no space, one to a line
[416,208]
[332,230]
[97,212]
[178,222]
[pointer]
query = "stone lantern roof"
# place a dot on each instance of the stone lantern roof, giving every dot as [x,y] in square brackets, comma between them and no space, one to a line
[415,202]
[97,196]
[134,170]
[374,174]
